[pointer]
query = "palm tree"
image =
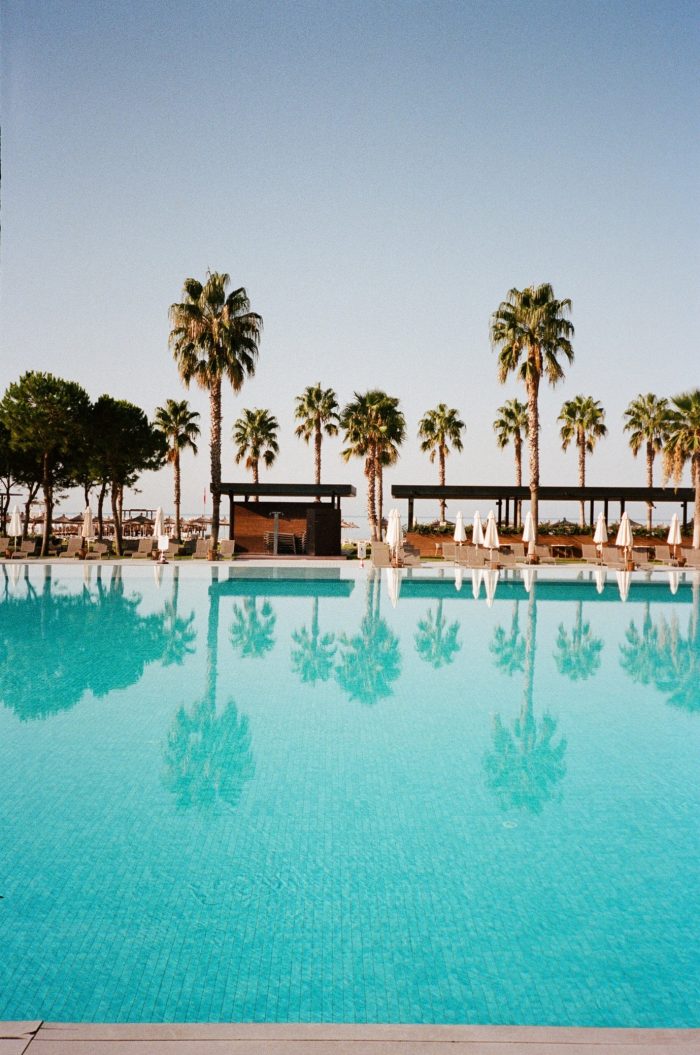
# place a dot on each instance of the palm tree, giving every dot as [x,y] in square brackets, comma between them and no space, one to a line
[646,423]
[531,331]
[511,425]
[583,421]
[179,426]
[375,428]
[683,445]
[317,412]
[437,429]
[214,336]
[255,437]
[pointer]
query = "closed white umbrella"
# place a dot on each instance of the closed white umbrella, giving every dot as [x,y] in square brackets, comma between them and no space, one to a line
[491,581]
[674,534]
[87,530]
[674,579]
[394,534]
[14,528]
[393,582]
[625,538]
[477,530]
[529,533]
[491,540]
[601,532]
[623,584]
[460,534]
[459,574]
[159,523]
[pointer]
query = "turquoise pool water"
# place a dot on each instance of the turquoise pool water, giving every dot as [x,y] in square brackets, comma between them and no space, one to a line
[278,799]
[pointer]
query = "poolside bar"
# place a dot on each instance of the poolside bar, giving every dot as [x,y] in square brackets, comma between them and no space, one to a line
[322,519]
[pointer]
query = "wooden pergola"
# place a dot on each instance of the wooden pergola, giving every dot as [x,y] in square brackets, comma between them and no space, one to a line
[506,498]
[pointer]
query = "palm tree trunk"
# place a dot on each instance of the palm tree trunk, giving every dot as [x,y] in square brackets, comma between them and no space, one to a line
[581,441]
[371,507]
[441,462]
[100,507]
[178,495]
[255,467]
[650,481]
[533,424]
[380,497]
[215,451]
[695,466]
[518,445]
[317,457]
[212,642]
[118,542]
[527,717]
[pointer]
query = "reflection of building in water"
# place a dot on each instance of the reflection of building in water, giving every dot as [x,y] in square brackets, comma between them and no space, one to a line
[525,766]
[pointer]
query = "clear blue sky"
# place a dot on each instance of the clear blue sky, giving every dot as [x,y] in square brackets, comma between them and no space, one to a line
[377,175]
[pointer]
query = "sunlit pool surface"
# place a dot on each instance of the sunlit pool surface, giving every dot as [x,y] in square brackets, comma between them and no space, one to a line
[267,798]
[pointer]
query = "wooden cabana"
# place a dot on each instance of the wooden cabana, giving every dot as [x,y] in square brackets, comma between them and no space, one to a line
[300,507]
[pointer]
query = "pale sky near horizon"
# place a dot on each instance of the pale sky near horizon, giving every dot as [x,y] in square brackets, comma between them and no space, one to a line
[378,176]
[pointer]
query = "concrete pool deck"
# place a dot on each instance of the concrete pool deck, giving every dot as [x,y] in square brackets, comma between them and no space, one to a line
[62,1038]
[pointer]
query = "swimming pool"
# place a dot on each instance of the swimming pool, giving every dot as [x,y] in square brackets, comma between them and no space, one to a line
[268,797]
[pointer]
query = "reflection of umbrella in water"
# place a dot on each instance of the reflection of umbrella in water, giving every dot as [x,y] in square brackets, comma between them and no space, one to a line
[490,582]
[158,573]
[529,534]
[623,584]
[600,577]
[14,574]
[528,575]
[459,573]
[674,579]
[87,574]
[393,582]
[477,530]
[491,540]
[477,574]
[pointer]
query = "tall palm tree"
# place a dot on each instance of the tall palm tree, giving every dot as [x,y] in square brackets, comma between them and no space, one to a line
[438,429]
[511,425]
[179,426]
[214,337]
[317,412]
[583,422]
[255,437]
[375,428]
[646,418]
[683,445]
[532,333]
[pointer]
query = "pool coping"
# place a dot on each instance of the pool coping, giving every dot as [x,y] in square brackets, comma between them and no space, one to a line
[64,1038]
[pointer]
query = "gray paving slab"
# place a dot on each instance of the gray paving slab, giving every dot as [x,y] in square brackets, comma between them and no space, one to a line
[14,1030]
[16,1046]
[338,1047]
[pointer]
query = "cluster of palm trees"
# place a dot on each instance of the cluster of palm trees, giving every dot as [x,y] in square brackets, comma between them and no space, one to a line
[215,337]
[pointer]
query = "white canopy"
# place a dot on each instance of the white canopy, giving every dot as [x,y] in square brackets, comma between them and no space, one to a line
[394,532]
[477,575]
[459,574]
[529,529]
[393,582]
[159,523]
[600,577]
[87,531]
[528,575]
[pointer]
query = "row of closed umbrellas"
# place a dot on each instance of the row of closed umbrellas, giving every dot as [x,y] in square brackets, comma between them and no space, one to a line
[87,530]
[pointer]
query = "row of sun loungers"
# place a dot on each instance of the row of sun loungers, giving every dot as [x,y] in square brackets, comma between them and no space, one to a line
[146,549]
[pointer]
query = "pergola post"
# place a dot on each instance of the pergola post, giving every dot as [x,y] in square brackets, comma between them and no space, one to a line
[622,508]
[590,513]
[685,516]
[499,507]
[230,516]
[507,511]
[410,514]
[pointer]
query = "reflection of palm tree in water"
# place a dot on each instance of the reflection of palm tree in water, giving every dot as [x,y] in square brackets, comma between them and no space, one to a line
[436,642]
[508,648]
[525,766]
[312,659]
[660,654]
[208,756]
[252,629]
[180,634]
[578,655]
[370,660]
